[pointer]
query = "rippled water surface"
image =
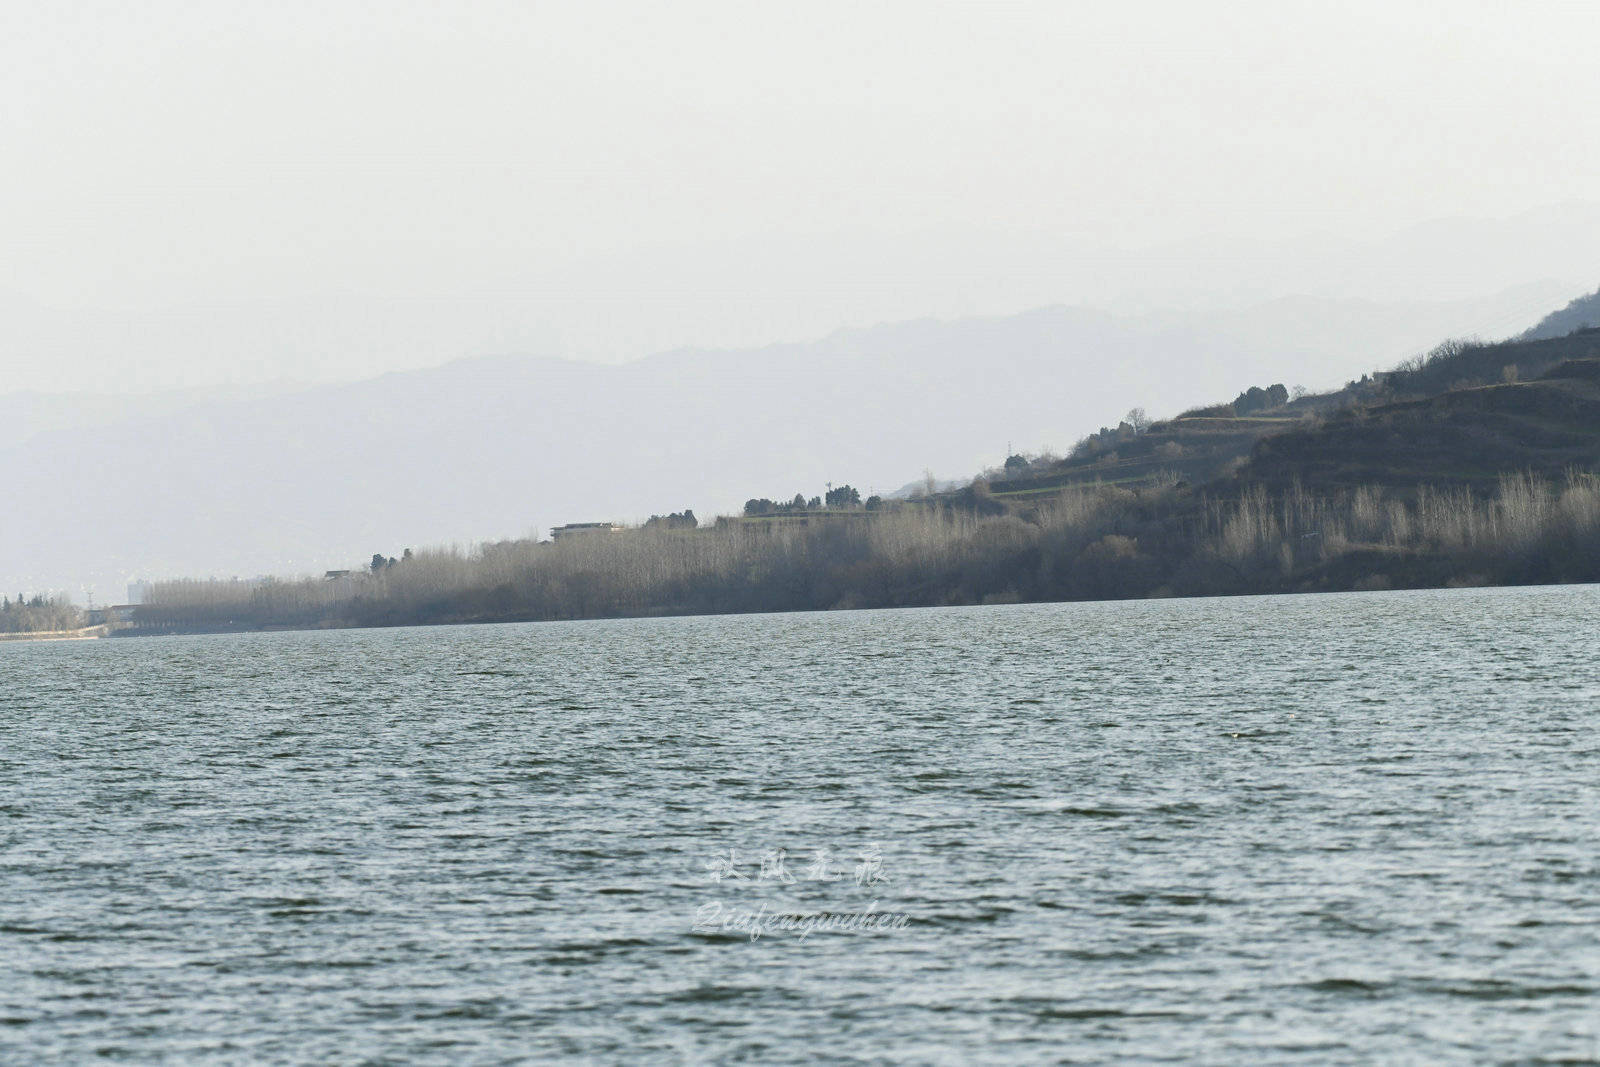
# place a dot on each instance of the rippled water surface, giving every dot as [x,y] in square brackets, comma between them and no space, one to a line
[1325,829]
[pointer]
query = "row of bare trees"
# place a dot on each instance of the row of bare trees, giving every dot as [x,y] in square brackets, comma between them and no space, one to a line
[1088,542]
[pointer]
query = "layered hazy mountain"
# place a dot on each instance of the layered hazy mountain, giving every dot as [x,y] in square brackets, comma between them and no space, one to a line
[108,489]
[1581,313]
[431,305]
[29,413]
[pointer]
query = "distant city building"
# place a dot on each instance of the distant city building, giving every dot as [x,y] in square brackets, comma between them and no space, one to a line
[572,528]
[138,591]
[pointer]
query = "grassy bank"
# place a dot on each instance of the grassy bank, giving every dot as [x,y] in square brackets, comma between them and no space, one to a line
[84,633]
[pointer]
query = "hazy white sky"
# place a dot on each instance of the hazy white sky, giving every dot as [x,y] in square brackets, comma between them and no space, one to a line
[597,178]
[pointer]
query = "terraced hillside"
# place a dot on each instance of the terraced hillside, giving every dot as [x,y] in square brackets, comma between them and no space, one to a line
[1466,437]
[1462,416]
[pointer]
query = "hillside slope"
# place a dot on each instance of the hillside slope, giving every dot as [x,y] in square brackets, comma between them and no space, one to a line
[1467,437]
[1459,416]
[1451,470]
[505,447]
[1462,417]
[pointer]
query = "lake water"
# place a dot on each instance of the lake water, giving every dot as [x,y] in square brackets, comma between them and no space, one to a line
[1331,829]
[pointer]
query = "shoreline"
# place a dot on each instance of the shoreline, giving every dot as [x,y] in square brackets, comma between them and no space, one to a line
[133,632]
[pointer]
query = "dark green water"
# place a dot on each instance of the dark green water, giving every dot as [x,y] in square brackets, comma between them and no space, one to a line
[1336,829]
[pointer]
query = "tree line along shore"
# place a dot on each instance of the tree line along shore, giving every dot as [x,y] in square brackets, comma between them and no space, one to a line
[1085,542]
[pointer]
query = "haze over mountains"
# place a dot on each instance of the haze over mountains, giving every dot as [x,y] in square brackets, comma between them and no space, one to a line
[249,322]
[506,446]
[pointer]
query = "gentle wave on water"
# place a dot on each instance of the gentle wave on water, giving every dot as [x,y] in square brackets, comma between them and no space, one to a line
[1327,829]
